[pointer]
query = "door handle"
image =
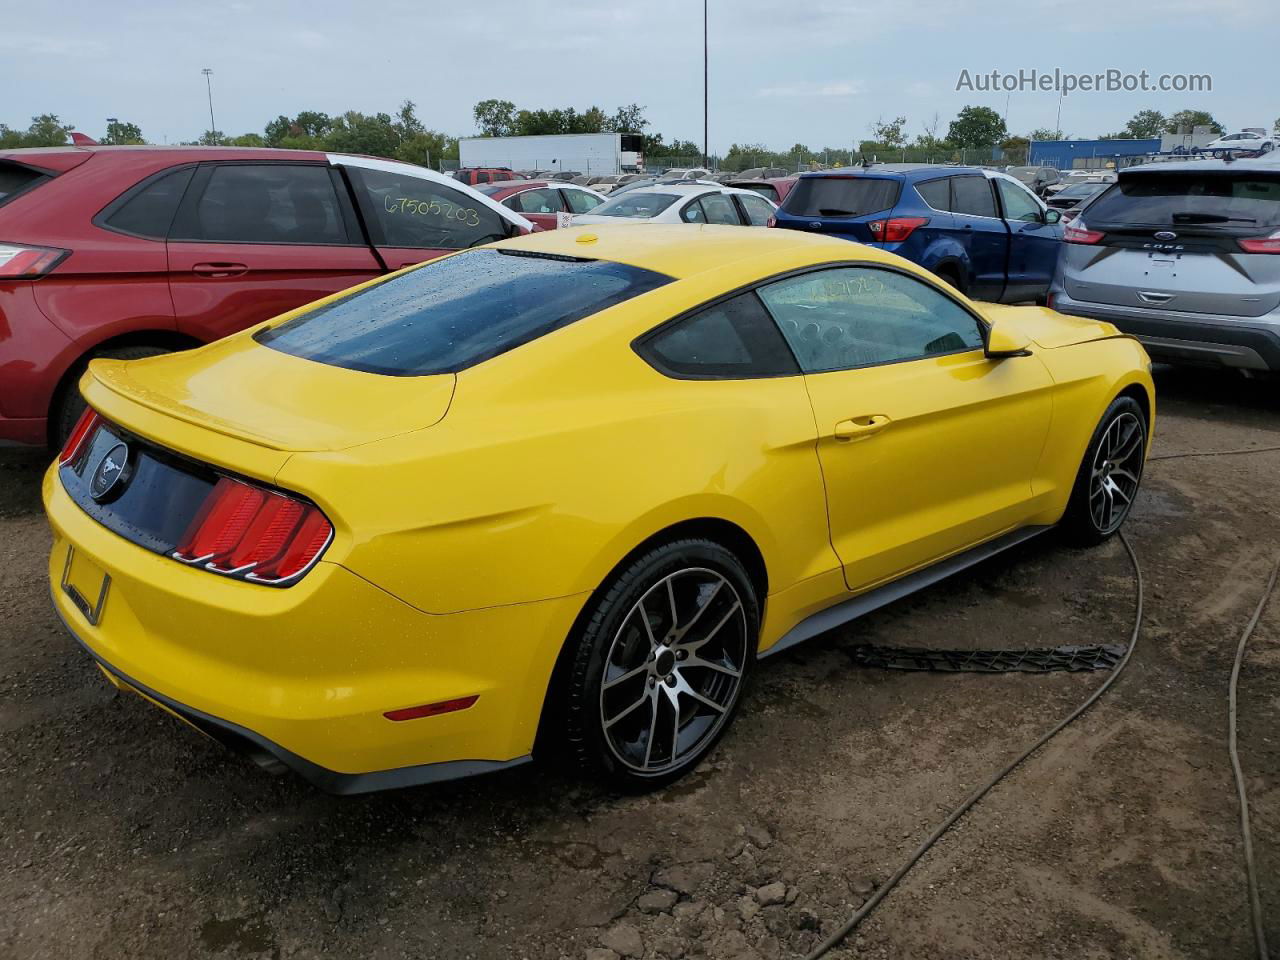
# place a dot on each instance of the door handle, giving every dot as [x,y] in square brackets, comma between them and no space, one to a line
[859,428]
[217,271]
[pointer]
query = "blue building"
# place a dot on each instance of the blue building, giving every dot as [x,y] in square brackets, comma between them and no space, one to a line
[1070,154]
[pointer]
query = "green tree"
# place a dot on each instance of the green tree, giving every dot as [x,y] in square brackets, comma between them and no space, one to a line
[1144,124]
[47,130]
[628,119]
[1015,146]
[213,138]
[356,132]
[1042,134]
[977,127]
[495,118]
[890,132]
[10,138]
[120,132]
[1187,120]
[248,140]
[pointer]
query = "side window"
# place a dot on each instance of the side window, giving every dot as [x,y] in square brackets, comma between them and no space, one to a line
[545,200]
[411,211]
[265,203]
[693,213]
[1018,203]
[582,202]
[732,340]
[758,211]
[719,209]
[859,316]
[936,193]
[148,210]
[972,195]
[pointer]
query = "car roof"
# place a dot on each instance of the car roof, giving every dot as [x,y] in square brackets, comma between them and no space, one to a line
[1267,163]
[126,152]
[685,250]
[907,171]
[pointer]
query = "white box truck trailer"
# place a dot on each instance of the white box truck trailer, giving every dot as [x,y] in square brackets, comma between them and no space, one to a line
[594,154]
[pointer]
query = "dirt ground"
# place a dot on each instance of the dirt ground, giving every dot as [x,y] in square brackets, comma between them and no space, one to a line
[124,834]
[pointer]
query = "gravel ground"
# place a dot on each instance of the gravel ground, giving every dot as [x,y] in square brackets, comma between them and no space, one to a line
[124,834]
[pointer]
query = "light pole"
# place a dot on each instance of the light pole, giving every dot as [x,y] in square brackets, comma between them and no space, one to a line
[208,85]
[706,142]
[111,122]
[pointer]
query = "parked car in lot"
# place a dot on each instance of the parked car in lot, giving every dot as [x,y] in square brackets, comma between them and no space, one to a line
[1186,257]
[983,232]
[1256,139]
[1036,179]
[688,202]
[473,176]
[544,202]
[773,189]
[1075,194]
[565,490]
[131,251]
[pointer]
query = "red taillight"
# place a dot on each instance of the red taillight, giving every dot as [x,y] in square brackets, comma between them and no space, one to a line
[83,429]
[771,222]
[1077,232]
[895,229]
[1048,301]
[431,709]
[20,262]
[258,534]
[1267,244]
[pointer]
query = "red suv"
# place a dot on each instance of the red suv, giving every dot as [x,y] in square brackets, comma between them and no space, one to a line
[131,251]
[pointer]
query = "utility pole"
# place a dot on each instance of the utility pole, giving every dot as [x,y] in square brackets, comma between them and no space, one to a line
[111,123]
[706,140]
[208,84]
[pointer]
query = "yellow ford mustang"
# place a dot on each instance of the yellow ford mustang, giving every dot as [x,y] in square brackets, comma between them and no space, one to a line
[565,489]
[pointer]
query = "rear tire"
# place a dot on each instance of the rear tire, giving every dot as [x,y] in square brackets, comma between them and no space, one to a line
[658,670]
[952,277]
[1109,477]
[69,404]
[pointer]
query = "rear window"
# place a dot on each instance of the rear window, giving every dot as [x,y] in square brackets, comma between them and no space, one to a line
[637,205]
[16,178]
[1247,199]
[457,312]
[841,196]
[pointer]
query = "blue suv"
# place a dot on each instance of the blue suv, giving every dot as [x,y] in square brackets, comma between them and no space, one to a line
[980,230]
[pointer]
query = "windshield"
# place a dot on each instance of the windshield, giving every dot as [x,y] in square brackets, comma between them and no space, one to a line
[636,204]
[1081,190]
[1247,199]
[456,312]
[840,196]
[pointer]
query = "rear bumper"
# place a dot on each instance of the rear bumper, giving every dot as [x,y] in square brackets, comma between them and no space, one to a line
[1188,338]
[305,675]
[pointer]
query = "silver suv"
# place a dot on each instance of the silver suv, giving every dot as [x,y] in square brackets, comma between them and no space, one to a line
[1186,257]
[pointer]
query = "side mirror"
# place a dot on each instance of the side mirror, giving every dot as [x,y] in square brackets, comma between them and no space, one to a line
[1052,215]
[1005,340]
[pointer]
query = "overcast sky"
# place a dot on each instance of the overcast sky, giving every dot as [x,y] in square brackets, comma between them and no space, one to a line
[783,71]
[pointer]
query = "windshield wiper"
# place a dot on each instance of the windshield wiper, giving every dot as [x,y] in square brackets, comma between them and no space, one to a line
[830,212]
[1209,218]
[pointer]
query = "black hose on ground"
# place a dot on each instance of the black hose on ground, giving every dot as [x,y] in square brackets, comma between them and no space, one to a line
[883,890]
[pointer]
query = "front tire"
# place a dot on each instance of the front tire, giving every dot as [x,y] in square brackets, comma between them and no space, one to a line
[659,667]
[1110,475]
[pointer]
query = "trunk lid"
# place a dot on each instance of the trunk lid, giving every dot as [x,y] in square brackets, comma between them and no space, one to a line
[242,389]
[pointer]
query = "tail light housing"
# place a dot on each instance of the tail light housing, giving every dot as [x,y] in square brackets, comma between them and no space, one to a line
[77,440]
[895,229]
[1267,244]
[771,222]
[1077,232]
[19,262]
[254,533]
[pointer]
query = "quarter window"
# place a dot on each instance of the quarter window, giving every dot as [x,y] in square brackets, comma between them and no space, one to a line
[936,193]
[411,211]
[732,340]
[148,210]
[859,316]
[972,196]
[265,203]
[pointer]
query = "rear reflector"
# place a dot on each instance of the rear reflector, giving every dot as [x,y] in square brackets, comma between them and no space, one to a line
[1267,244]
[431,709]
[256,534]
[896,229]
[81,432]
[27,263]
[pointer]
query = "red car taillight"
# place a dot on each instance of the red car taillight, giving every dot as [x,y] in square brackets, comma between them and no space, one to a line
[771,222]
[83,429]
[256,534]
[26,263]
[895,229]
[1267,244]
[1077,232]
